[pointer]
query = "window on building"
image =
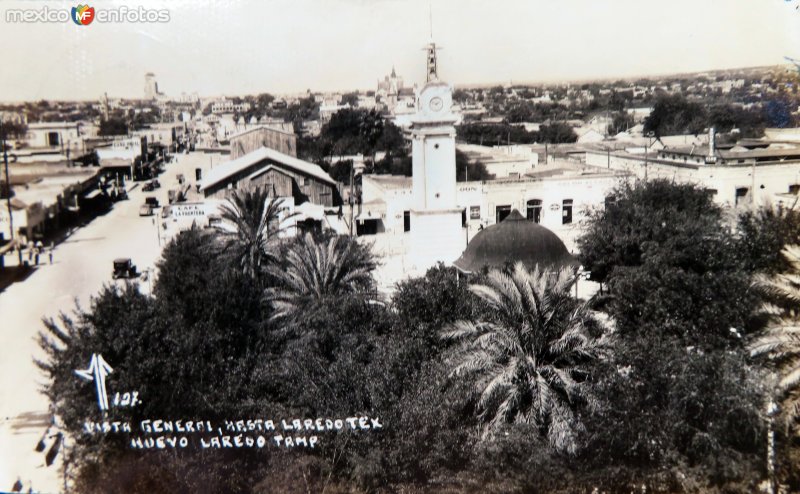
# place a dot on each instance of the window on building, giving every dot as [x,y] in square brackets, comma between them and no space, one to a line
[534,212]
[501,212]
[566,212]
[794,189]
[474,212]
[742,194]
[406,221]
[52,139]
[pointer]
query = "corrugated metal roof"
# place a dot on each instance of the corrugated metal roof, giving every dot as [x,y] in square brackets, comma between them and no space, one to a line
[230,168]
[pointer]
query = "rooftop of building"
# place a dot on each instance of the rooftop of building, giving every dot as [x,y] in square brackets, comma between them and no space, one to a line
[230,168]
[515,239]
[264,126]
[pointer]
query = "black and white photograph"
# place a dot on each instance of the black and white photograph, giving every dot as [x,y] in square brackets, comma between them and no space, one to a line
[400,246]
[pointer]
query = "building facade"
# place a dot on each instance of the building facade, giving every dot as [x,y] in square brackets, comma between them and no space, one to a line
[279,174]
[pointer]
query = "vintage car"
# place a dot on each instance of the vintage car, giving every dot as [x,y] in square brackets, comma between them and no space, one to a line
[145,210]
[152,201]
[124,268]
[148,187]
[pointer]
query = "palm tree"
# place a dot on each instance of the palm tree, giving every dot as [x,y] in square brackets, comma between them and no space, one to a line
[253,224]
[528,358]
[780,343]
[318,269]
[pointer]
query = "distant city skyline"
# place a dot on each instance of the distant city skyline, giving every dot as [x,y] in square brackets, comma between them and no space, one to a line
[282,46]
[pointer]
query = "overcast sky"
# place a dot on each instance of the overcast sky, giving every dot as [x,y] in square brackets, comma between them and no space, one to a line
[217,47]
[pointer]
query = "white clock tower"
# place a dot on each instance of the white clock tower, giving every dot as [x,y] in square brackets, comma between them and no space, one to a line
[436,232]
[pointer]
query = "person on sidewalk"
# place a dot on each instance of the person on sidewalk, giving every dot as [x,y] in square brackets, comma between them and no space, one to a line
[50,252]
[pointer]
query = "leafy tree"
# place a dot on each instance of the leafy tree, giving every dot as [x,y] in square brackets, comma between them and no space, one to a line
[263,101]
[680,388]
[319,268]
[491,134]
[727,117]
[340,171]
[350,99]
[762,233]
[674,114]
[112,127]
[193,350]
[467,169]
[557,133]
[253,224]
[12,130]
[620,122]
[529,358]
[778,112]
[461,96]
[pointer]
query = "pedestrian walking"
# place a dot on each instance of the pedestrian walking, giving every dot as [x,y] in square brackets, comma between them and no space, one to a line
[50,252]
[37,250]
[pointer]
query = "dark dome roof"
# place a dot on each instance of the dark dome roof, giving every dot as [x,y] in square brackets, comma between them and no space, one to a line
[515,239]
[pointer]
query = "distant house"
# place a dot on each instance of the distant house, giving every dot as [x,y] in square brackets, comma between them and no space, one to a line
[590,135]
[57,135]
[280,174]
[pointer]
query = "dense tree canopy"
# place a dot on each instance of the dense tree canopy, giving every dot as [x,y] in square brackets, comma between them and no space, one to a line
[676,401]
[679,291]
[673,114]
[112,127]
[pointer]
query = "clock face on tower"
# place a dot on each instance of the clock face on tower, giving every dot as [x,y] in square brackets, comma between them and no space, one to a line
[436,99]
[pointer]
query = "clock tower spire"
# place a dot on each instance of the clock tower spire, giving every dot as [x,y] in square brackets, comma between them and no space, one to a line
[436,230]
[433,71]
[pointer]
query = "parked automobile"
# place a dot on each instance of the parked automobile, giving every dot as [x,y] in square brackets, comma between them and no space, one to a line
[145,210]
[156,183]
[124,268]
[152,201]
[148,187]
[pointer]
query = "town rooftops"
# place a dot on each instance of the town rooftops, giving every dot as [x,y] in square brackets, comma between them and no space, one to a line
[230,168]
[777,152]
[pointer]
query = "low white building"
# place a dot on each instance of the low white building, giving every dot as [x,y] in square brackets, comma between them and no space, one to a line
[557,197]
[502,161]
[736,176]
[54,135]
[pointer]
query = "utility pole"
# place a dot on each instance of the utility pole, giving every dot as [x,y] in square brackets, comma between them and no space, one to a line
[352,198]
[8,191]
